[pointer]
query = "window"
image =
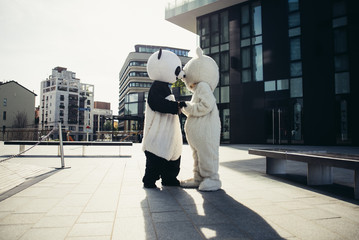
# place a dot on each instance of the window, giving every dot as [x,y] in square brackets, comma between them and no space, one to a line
[131,109]
[282,84]
[4,115]
[296,87]
[341,58]
[342,83]
[294,20]
[226,124]
[296,69]
[295,49]
[343,120]
[257,63]
[269,86]
[295,56]
[5,102]
[251,43]
[225,94]
[297,123]
[293,5]
[257,19]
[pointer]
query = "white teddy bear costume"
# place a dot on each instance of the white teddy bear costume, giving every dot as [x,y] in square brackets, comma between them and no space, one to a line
[203,126]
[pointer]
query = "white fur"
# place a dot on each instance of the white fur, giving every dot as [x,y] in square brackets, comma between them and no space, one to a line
[203,126]
[163,69]
[162,134]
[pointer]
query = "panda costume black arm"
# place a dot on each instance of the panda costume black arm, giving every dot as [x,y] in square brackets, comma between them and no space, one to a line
[157,98]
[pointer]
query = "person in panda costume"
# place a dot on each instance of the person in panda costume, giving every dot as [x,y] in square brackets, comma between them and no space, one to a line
[203,126]
[162,140]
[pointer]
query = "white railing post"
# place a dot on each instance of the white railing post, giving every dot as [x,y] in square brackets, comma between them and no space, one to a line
[61,146]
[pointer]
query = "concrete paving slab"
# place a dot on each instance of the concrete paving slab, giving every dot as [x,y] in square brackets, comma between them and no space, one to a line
[103,198]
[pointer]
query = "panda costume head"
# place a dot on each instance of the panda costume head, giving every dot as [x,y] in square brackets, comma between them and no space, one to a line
[164,66]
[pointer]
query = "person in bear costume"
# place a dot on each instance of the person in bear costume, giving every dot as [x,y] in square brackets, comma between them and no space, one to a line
[162,141]
[203,126]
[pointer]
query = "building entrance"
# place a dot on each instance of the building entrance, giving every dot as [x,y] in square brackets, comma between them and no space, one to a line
[278,126]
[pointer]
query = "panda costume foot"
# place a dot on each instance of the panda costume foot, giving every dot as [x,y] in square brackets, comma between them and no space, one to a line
[145,185]
[173,183]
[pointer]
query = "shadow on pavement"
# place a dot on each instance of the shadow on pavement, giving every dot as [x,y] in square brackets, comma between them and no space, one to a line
[180,213]
[296,175]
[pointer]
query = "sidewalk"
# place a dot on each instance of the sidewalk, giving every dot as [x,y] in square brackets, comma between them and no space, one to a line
[103,198]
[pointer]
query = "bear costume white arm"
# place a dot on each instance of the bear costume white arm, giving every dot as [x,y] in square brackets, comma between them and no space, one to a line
[202,102]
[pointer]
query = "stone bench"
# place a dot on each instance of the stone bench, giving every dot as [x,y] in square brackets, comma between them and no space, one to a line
[319,164]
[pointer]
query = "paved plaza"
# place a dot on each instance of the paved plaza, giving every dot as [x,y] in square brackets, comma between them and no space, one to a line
[102,198]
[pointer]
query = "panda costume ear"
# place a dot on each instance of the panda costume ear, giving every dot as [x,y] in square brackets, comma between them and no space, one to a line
[159,54]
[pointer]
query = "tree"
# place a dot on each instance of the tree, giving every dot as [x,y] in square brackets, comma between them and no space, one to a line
[179,83]
[108,126]
[20,120]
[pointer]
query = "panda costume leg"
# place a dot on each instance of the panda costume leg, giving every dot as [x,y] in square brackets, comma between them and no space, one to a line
[153,170]
[170,172]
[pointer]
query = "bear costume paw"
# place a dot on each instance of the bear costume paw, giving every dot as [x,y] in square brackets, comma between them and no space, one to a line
[190,183]
[210,185]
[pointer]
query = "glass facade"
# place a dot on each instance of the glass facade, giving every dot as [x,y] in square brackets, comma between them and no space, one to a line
[341,68]
[251,42]
[276,56]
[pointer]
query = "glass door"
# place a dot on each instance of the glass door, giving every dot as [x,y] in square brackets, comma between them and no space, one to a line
[278,131]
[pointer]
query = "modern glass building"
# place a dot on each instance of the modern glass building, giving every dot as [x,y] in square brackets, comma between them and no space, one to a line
[134,85]
[287,71]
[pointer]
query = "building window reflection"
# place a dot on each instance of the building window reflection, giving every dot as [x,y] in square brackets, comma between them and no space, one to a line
[251,43]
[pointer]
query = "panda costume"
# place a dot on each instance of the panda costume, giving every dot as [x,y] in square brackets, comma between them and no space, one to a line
[162,140]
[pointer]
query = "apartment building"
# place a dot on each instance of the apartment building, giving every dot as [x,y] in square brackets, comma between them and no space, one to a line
[101,112]
[287,67]
[16,102]
[64,98]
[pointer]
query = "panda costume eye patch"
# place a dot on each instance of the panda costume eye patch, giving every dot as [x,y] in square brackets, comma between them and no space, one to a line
[178,70]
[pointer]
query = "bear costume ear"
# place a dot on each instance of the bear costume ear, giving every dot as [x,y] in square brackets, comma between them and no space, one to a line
[159,54]
[199,52]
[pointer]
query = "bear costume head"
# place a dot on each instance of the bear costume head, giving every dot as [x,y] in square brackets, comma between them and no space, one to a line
[164,66]
[201,68]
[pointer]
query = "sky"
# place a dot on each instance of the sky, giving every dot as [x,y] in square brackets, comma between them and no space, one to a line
[89,37]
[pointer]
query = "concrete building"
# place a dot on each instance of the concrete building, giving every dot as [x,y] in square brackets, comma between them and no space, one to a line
[16,102]
[101,112]
[64,98]
[134,85]
[287,67]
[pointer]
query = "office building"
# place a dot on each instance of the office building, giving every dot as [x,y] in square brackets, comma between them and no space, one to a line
[287,67]
[64,98]
[134,85]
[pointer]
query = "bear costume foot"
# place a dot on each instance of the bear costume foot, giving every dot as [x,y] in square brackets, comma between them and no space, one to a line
[210,185]
[190,183]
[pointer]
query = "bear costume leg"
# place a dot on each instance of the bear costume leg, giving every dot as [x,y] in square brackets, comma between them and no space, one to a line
[205,169]
[153,170]
[197,179]
[208,161]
